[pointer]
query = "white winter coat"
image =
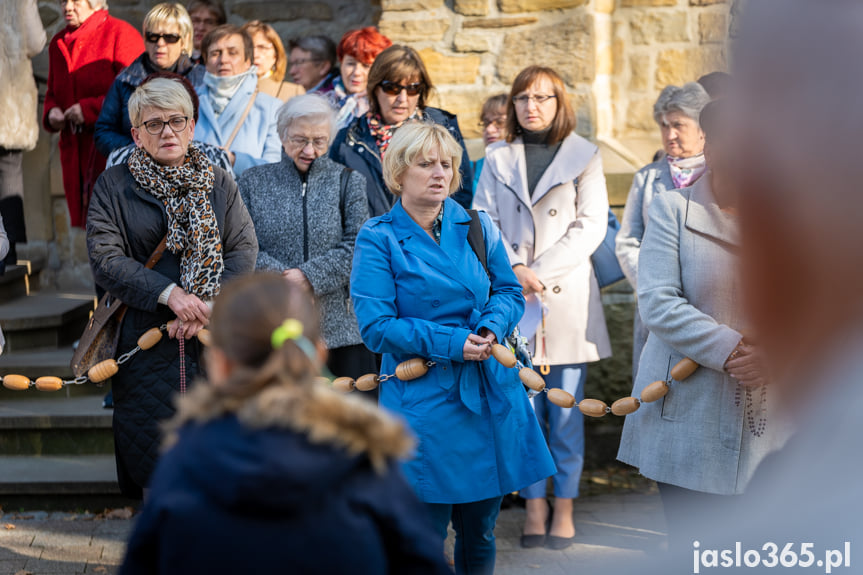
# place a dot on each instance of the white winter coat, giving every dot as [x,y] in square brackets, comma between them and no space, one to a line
[554,233]
[21,37]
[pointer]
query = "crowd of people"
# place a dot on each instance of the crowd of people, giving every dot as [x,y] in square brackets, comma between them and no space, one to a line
[323,167]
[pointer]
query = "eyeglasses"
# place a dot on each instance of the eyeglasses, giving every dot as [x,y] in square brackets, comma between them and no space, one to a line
[499,123]
[394,89]
[301,61]
[153,38]
[155,127]
[301,143]
[538,98]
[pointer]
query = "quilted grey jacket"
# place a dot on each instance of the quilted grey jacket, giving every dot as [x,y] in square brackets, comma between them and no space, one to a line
[313,231]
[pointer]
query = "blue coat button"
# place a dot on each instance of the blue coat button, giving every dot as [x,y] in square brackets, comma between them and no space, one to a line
[436,303]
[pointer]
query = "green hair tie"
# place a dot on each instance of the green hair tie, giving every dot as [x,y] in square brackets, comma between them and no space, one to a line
[292,329]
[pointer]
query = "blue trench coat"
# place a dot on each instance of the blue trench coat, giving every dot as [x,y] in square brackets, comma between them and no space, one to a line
[477,434]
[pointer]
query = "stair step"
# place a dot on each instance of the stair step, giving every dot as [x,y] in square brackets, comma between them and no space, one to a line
[58,475]
[57,427]
[38,362]
[13,283]
[44,320]
[62,412]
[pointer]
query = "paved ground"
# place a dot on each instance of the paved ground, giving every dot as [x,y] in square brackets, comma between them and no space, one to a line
[614,527]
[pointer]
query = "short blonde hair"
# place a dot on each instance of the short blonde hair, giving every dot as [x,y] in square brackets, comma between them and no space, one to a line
[171,14]
[419,139]
[162,94]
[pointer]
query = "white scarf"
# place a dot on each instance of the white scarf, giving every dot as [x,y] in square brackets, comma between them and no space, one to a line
[223,88]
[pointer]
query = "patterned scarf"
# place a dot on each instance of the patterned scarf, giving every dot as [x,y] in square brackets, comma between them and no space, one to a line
[383,133]
[684,171]
[192,228]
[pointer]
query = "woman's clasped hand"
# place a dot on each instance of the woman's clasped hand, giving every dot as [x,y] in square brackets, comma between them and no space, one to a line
[478,347]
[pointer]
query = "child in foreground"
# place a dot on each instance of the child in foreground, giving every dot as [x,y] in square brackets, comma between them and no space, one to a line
[272,472]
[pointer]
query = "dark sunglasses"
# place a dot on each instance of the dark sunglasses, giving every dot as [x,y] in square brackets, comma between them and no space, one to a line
[394,89]
[153,38]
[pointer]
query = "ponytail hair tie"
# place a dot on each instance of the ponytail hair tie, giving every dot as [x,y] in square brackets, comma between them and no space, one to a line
[292,329]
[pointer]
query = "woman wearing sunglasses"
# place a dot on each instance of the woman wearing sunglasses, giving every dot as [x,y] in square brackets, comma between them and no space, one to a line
[168,44]
[398,89]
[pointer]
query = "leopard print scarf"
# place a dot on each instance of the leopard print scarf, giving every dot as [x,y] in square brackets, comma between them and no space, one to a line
[192,228]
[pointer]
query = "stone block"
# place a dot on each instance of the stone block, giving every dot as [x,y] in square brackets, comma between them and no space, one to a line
[50,15]
[605,60]
[499,22]
[567,46]
[639,78]
[516,6]
[468,42]
[639,115]
[445,69]
[410,5]
[706,2]
[471,7]
[132,15]
[466,105]
[657,27]
[399,30]
[647,3]
[712,27]
[277,11]
[678,66]
[604,6]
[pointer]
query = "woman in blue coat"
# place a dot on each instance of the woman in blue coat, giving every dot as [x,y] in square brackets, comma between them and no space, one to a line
[419,290]
[272,472]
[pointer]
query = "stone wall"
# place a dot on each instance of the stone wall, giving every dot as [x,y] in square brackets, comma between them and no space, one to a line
[661,42]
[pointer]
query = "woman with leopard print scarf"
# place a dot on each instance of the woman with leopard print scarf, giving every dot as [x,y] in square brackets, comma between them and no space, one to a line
[168,189]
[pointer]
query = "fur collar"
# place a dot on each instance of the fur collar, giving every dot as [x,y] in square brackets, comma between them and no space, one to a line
[323,415]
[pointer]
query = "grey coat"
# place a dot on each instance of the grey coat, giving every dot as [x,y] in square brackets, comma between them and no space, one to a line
[314,232]
[695,437]
[649,181]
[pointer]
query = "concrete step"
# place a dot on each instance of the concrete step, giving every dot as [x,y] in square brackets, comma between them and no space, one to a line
[58,475]
[56,426]
[38,362]
[13,283]
[44,320]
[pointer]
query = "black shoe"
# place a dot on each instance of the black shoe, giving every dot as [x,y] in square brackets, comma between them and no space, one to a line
[558,543]
[108,401]
[532,541]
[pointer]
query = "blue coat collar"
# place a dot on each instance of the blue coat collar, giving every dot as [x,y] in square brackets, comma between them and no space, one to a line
[446,257]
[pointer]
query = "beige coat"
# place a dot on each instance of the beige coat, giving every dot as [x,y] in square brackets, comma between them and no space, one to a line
[284,91]
[21,38]
[554,233]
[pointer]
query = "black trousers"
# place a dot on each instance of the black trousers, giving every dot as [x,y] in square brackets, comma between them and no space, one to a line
[354,361]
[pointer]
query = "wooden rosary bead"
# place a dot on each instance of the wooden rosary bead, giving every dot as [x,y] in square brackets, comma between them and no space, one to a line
[16,382]
[49,383]
[593,407]
[625,406]
[344,384]
[411,369]
[103,370]
[561,398]
[150,338]
[531,379]
[502,354]
[205,336]
[683,369]
[368,382]
[653,392]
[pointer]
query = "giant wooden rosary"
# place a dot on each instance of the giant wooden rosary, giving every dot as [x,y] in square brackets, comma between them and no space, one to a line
[406,371]
[418,367]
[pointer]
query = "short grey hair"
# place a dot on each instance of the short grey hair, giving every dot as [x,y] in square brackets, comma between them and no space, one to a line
[162,94]
[309,107]
[688,99]
[98,4]
[320,47]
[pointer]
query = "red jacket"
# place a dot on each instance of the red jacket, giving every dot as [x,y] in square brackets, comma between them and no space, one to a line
[83,63]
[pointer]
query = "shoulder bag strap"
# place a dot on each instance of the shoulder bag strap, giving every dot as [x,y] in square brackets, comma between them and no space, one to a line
[242,119]
[476,239]
[151,263]
[343,190]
